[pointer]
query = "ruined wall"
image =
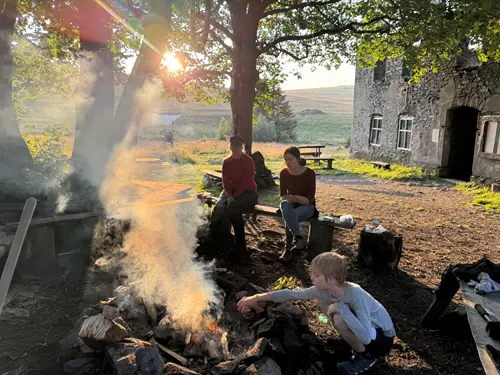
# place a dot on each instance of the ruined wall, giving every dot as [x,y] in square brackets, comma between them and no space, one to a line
[427,102]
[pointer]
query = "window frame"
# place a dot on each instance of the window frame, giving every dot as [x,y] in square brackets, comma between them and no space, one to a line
[405,131]
[496,141]
[376,119]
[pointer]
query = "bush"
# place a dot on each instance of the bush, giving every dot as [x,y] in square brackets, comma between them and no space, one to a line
[312,111]
[51,164]
[224,129]
[264,130]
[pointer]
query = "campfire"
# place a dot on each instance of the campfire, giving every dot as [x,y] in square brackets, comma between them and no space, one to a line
[126,334]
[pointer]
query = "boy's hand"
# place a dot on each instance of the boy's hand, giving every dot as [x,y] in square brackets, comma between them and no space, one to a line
[333,309]
[249,303]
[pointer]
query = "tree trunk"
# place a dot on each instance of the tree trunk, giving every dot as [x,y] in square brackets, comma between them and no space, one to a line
[244,75]
[95,101]
[129,111]
[14,154]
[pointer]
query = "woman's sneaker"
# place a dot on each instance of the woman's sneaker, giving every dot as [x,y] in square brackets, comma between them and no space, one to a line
[359,364]
[299,243]
[286,255]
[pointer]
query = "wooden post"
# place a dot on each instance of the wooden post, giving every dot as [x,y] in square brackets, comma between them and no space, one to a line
[320,238]
[329,163]
[17,244]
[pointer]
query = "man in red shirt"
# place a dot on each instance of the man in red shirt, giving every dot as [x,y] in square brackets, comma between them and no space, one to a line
[239,193]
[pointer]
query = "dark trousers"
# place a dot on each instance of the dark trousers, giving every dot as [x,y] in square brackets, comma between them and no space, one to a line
[234,211]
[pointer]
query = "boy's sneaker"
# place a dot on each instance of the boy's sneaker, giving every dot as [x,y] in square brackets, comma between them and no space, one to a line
[340,347]
[359,364]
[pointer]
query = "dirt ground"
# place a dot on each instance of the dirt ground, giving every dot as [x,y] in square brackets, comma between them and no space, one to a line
[438,225]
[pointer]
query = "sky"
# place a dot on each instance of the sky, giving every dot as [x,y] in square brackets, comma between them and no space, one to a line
[310,79]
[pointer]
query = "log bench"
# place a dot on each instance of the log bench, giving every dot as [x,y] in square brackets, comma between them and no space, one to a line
[318,159]
[320,232]
[380,164]
[214,177]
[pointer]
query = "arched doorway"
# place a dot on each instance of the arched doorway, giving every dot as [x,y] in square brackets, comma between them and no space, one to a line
[460,140]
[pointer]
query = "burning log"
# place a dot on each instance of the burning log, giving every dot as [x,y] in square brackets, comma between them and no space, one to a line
[135,357]
[98,330]
[171,353]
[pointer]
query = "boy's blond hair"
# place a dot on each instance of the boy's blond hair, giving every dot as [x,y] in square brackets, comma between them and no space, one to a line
[331,265]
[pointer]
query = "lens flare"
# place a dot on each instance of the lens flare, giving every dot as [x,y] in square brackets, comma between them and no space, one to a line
[172,63]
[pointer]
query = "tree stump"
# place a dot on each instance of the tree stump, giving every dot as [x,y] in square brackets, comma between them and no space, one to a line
[320,238]
[380,251]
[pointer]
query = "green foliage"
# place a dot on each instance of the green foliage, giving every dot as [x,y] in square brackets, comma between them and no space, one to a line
[51,164]
[286,283]
[225,129]
[397,172]
[264,130]
[483,196]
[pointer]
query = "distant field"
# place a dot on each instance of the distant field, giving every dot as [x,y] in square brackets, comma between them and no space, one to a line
[199,121]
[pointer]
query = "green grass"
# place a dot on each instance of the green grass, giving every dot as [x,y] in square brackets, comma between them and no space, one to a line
[483,196]
[397,172]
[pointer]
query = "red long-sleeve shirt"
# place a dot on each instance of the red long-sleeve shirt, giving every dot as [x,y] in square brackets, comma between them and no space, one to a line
[303,184]
[238,175]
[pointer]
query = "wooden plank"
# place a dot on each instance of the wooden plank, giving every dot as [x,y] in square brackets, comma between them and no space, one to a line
[491,303]
[311,146]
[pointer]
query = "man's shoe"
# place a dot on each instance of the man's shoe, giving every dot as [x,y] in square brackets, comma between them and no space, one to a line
[299,243]
[359,364]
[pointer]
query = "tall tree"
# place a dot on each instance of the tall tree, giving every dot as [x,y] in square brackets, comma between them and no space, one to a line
[249,40]
[14,154]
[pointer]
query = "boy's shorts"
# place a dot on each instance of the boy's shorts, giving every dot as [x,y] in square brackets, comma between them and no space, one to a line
[381,345]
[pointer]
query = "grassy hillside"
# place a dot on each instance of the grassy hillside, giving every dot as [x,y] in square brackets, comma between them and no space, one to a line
[324,115]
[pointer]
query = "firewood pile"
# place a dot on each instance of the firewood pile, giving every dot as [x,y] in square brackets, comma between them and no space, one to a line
[126,335]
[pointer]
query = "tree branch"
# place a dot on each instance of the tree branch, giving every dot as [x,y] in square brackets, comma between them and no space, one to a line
[218,26]
[352,26]
[221,41]
[292,55]
[298,6]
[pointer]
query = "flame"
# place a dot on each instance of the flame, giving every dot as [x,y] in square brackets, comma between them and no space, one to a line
[212,326]
[172,63]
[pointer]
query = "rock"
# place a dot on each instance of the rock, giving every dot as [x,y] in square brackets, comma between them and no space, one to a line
[90,312]
[84,348]
[225,368]
[231,282]
[256,351]
[110,312]
[241,294]
[214,350]
[265,366]
[122,357]
[292,343]
[257,323]
[149,362]
[174,369]
[292,310]
[275,347]
[69,342]
[78,366]
[265,329]
[309,339]
[278,315]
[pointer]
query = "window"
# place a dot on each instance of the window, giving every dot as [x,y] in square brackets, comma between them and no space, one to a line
[375,129]
[404,133]
[491,137]
[406,73]
[379,71]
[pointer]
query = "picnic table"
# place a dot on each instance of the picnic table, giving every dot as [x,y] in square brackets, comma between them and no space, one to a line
[491,303]
[316,153]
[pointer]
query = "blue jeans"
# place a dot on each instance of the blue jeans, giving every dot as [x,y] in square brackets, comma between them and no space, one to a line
[293,214]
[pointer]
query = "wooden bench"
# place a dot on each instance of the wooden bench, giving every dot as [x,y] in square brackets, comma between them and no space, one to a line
[328,159]
[214,177]
[316,152]
[380,164]
[320,232]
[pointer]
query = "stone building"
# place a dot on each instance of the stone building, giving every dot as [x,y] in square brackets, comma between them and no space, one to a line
[448,122]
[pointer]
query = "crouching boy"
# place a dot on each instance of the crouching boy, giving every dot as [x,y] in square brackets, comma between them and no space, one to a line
[361,321]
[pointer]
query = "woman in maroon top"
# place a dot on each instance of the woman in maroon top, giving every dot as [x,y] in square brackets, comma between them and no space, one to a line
[297,190]
[239,193]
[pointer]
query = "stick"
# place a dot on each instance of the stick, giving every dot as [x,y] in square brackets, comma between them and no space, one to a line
[17,244]
[178,357]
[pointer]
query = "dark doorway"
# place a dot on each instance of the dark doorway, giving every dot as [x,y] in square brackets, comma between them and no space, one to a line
[462,133]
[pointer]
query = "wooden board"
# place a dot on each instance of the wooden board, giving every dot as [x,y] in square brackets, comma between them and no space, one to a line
[311,146]
[491,303]
[214,174]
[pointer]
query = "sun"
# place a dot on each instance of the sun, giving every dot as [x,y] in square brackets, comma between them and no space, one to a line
[171,62]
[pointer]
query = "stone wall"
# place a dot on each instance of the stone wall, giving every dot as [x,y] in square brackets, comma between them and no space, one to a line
[427,102]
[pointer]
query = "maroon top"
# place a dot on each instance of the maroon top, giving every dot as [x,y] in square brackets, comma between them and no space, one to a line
[303,184]
[238,175]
